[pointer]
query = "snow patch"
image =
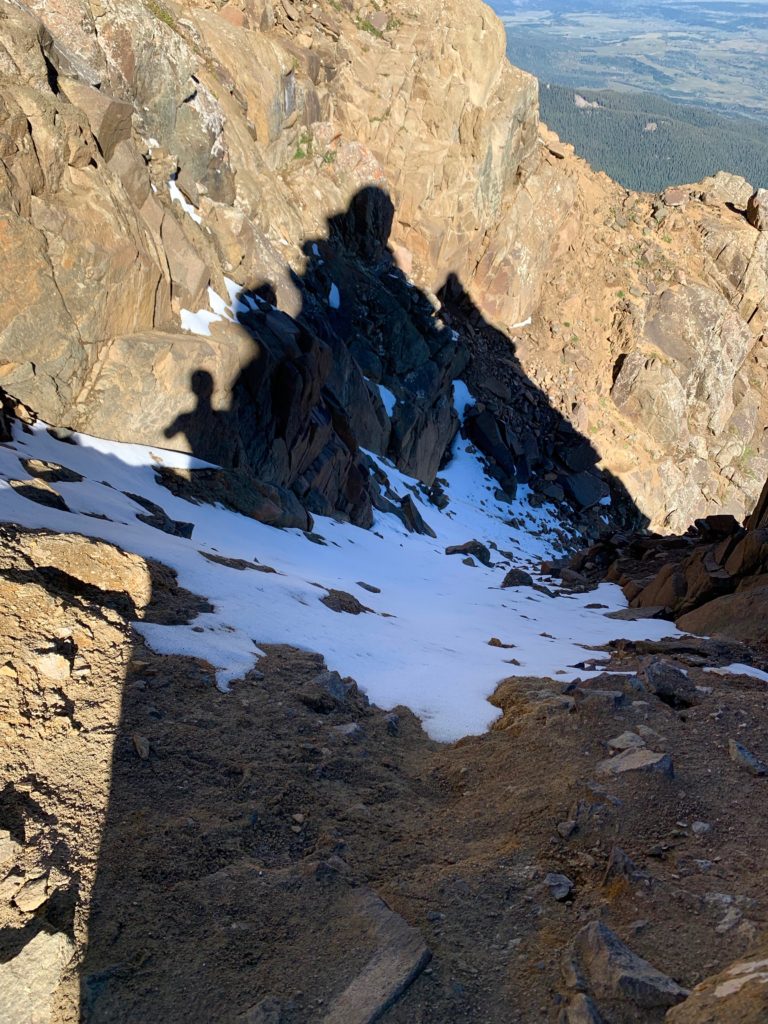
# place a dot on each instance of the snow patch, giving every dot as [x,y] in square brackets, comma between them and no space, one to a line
[198,323]
[177,196]
[462,399]
[220,309]
[388,398]
[737,669]
[334,299]
[425,641]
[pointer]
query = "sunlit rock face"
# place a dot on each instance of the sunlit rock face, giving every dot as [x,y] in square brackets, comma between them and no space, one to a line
[160,161]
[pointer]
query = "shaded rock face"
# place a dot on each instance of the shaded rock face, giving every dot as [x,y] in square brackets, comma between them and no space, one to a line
[525,440]
[293,400]
[290,403]
[102,111]
[384,333]
[711,581]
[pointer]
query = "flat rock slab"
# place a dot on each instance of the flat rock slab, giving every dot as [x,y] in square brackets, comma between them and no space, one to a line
[626,741]
[28,981]
[400,958]
[471,547]
[615,972]
[636,614]
[744,758]
[637,761]
[581,1010]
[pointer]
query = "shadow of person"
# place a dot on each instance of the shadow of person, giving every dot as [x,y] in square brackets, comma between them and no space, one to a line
[205,428]
[525,439]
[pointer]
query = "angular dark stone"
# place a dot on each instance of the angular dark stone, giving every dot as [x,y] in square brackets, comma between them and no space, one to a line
[716,527]
[471,547]
[517,578]
[156,516]
[669,683]
[484,431]
[550,489]
[413,518]
[578,458]
[585,488]
[341,601]
[615,973]
[744,758]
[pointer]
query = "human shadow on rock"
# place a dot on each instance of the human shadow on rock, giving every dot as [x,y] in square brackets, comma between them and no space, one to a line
[200,878]
[369,364]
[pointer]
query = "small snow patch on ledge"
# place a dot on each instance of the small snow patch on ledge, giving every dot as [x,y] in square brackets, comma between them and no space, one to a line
[462,399]
[737,669]
[178,197]
[388,398]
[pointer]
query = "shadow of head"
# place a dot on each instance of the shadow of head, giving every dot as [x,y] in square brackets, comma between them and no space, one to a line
[363,229]
[201,383]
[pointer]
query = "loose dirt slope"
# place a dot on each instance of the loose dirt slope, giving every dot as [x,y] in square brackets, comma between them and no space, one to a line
[199,856]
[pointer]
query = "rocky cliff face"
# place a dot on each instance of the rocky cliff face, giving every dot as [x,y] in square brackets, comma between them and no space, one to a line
[661,304]
[156,153]
[283,235]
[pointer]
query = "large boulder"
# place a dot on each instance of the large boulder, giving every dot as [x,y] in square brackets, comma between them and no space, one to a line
[736,995]
[29,979]
[739,616]
[243,399]
[619,978]
[681,380]
[109,118]
[42,368]
[757,209]
[728,188]
[647,389]
[165,374]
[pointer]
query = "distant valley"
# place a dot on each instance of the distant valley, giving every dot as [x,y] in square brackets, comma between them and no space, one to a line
[675,90]
[713,53]
[647,143]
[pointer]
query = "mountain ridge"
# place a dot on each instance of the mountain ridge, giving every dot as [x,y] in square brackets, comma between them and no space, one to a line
[482,193]
[320,354]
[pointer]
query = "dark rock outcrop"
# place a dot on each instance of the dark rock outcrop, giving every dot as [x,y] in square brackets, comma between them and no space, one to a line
[625,986]
[757,209]
[711,581]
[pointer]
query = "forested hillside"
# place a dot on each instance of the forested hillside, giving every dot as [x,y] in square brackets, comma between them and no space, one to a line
[646,142]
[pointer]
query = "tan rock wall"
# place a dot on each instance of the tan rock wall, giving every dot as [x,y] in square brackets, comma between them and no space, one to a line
[274,117]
